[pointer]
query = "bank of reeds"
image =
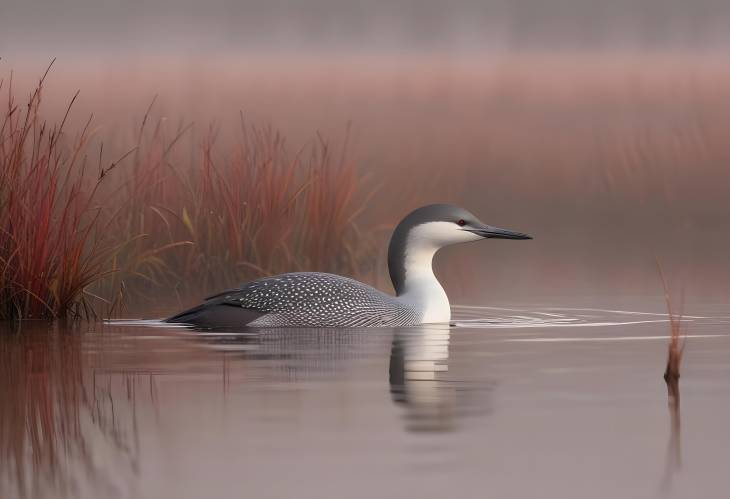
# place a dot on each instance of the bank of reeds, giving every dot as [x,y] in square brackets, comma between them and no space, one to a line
[81,237]
[50,251]
[231,213]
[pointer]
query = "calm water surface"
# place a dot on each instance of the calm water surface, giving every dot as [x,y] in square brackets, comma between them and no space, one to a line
[510,402]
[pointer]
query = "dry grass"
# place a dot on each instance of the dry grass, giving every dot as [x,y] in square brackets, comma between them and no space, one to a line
[233,213]
[79,241]
[50,249]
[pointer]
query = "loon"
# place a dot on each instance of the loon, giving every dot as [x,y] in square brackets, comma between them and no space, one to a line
[317,299]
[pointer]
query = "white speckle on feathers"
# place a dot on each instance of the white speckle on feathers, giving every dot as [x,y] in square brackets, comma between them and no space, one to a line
[314,299]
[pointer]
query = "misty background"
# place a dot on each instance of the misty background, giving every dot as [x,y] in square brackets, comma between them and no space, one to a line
[114,26]
[599,127]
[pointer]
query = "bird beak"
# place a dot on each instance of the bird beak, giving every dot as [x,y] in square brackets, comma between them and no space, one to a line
[489,232]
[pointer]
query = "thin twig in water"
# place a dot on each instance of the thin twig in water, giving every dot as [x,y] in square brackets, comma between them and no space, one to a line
[676,343]
[671,378]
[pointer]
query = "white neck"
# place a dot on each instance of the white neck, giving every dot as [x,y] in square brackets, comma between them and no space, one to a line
[422,289]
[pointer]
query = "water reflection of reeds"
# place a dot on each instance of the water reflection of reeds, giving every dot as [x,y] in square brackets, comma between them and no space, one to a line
[48,396]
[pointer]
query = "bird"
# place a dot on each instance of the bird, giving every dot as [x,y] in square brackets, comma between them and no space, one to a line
[318,299]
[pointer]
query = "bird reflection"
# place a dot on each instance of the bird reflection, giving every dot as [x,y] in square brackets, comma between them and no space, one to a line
[417,362]
[417,374]
[293,354]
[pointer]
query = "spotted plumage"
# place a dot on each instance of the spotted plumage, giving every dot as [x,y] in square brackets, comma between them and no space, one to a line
[316,299]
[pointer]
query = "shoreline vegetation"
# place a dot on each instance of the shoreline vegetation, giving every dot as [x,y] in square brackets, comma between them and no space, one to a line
[83,235]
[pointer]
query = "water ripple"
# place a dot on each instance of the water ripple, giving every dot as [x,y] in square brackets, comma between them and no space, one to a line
[544,317]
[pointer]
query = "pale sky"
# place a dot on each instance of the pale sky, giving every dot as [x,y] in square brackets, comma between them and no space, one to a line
[365,25]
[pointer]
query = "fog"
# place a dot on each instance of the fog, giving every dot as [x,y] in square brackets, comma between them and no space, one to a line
[601,127]
[113,26]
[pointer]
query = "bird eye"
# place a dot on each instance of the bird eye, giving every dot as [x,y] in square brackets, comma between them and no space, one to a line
[461,222]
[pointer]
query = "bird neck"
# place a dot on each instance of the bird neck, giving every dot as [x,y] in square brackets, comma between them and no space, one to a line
[410,263]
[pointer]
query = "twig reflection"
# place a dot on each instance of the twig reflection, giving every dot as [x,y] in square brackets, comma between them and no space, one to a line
[675,352]
[674,447]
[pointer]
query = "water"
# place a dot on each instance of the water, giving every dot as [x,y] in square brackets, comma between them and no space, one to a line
[538,402]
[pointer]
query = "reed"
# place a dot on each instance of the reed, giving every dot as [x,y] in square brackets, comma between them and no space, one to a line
[50,248]
[671,378]
[676,344]
[76,241]
[229,214]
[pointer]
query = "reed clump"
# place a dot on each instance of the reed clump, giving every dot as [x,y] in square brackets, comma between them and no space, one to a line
[50,245]
[82,241]
[232,213]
